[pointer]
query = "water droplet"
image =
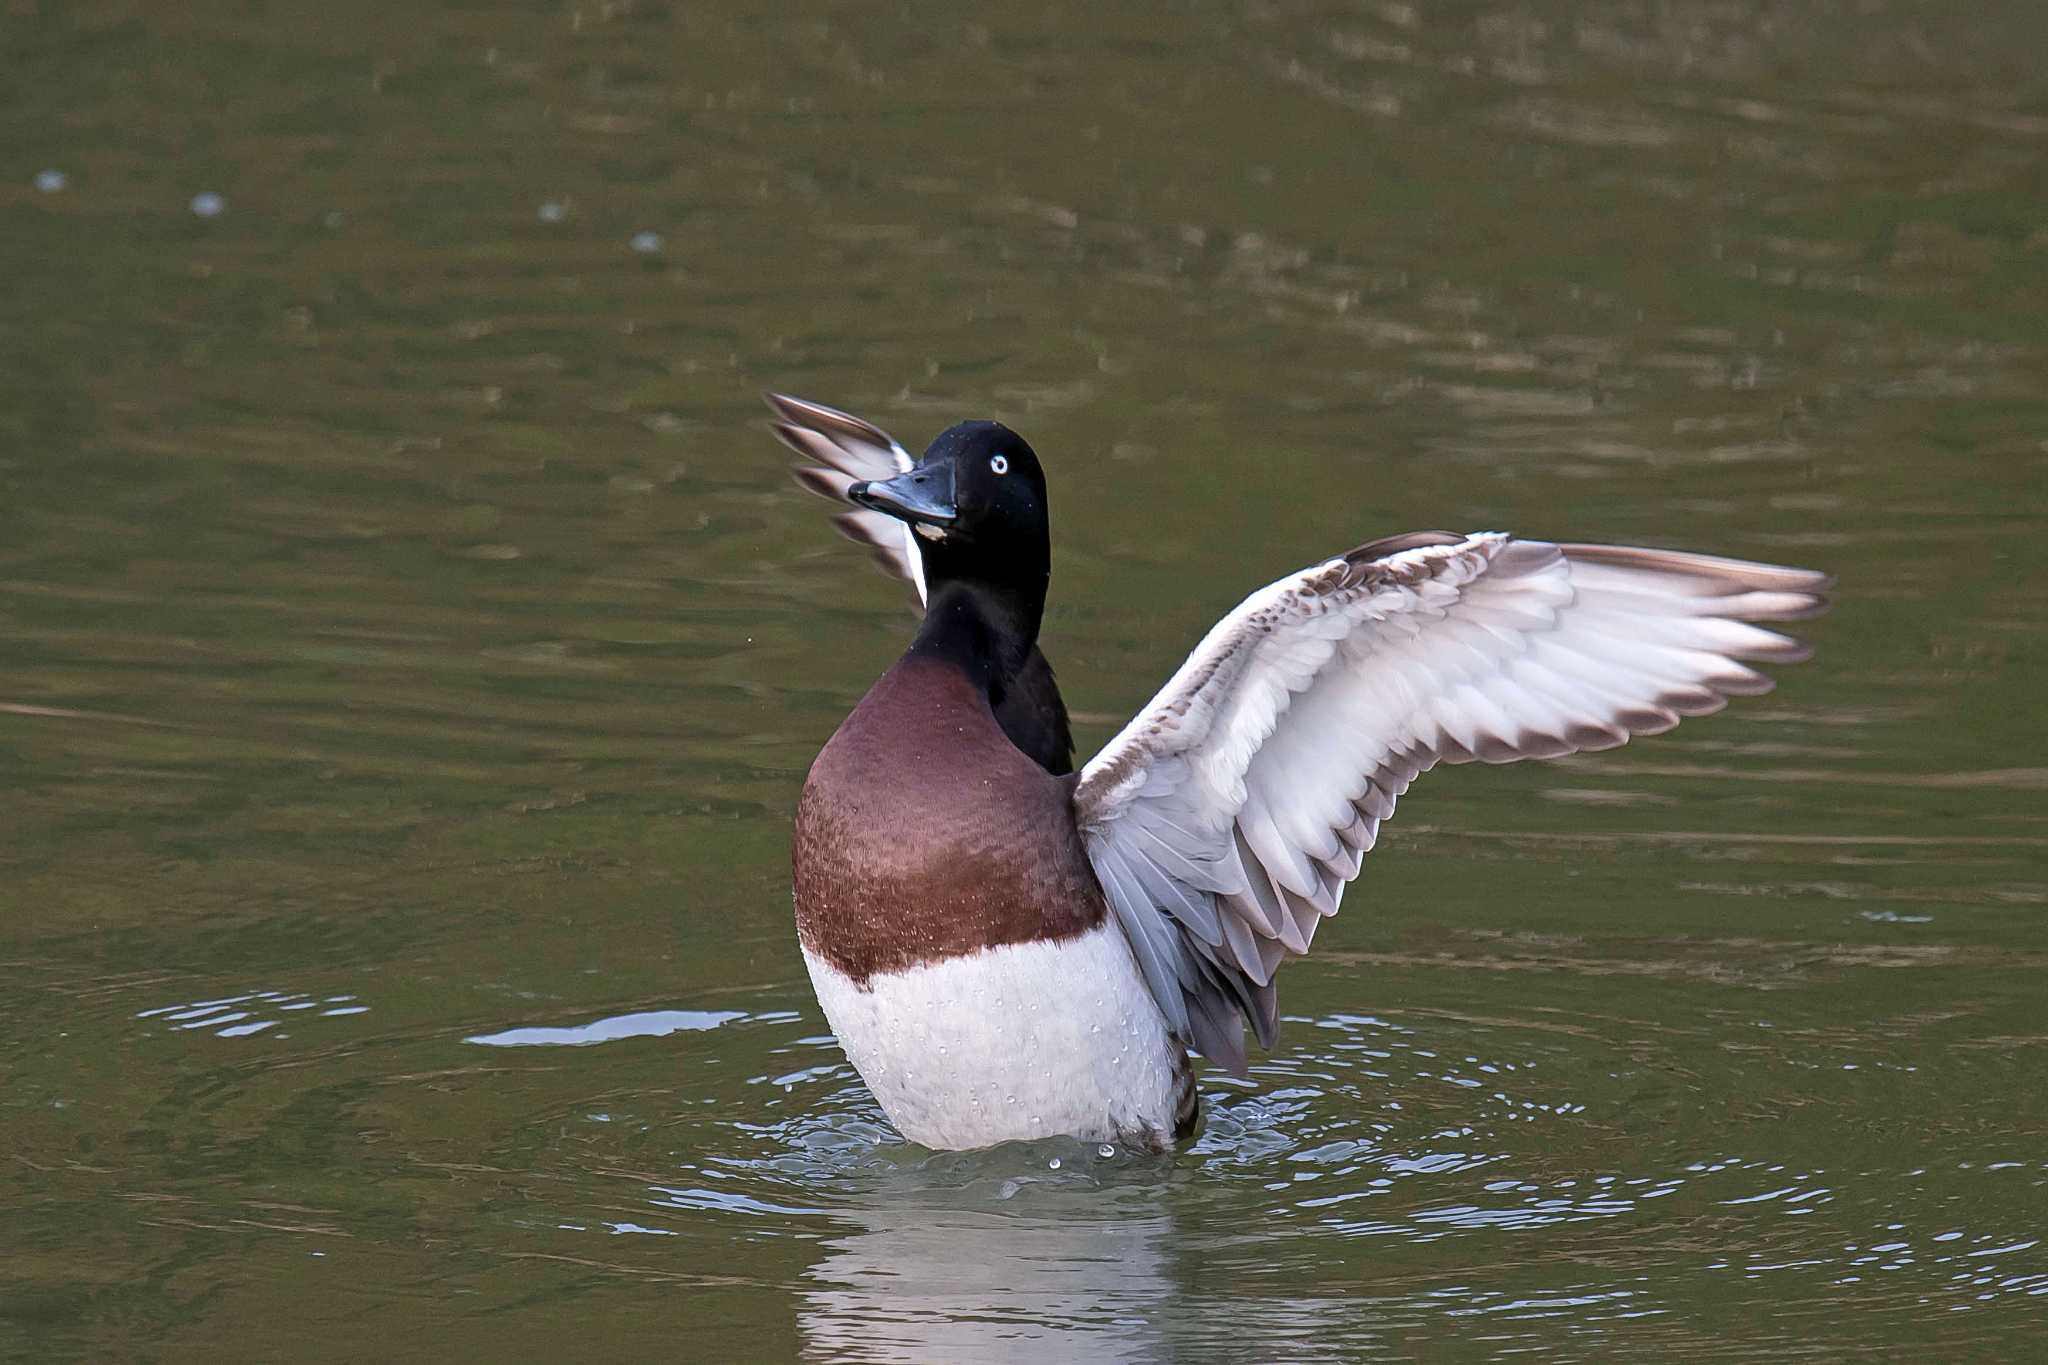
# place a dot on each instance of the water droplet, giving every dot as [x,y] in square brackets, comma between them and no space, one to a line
[50,182]
[1105,1151]
[1053,1165]
[1095,1028]
[207,204]
[646,243]
[1010,1099]
[552,212]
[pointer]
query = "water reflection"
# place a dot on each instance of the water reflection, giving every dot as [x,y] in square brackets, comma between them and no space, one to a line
[1351,1136]
[1023,1269]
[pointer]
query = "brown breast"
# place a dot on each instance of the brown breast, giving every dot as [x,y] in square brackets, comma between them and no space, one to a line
[923,833]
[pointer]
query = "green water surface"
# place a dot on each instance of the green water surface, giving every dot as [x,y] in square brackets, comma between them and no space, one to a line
[411,648]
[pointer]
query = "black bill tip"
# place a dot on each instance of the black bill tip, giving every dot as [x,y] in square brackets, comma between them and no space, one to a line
[922,495]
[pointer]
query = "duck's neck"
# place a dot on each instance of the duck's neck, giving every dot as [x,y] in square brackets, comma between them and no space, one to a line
[986,631]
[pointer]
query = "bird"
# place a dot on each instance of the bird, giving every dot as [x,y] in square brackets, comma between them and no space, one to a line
[1007,948]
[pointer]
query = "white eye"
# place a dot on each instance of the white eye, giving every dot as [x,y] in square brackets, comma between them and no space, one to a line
[999,464]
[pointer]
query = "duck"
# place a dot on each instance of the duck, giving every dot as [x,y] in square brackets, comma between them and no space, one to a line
[1009,948]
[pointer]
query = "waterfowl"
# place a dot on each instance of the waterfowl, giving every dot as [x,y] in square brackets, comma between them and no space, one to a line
[1006,948]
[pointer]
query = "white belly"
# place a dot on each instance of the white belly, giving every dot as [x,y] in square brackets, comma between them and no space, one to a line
[1027,1040]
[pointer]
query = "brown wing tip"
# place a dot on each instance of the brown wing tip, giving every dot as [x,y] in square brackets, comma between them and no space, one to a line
[1740,575]
[796,411]
[796,437]
[803,413]
[826,483]
[854,528]
[1393,545]
[1801,606]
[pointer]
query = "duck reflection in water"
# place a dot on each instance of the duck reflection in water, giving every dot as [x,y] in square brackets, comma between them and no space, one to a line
[989,1271]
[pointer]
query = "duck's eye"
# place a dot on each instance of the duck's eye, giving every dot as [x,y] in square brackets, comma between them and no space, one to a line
[999,464]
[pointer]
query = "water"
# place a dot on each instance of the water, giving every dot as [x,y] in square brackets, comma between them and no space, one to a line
[412,650]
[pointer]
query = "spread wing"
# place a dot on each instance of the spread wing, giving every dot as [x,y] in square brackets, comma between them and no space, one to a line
[1226,819]
[845,450]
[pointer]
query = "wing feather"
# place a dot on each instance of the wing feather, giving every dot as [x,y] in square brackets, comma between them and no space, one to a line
[844,450]
[1226,819]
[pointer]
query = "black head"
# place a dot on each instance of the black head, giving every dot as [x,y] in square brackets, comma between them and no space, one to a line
[977,503]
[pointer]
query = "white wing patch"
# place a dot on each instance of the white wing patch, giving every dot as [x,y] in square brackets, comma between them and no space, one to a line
[846,451]
[1226,819]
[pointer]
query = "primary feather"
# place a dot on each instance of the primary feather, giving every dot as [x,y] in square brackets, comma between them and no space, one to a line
[846,450]
[1226,819]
